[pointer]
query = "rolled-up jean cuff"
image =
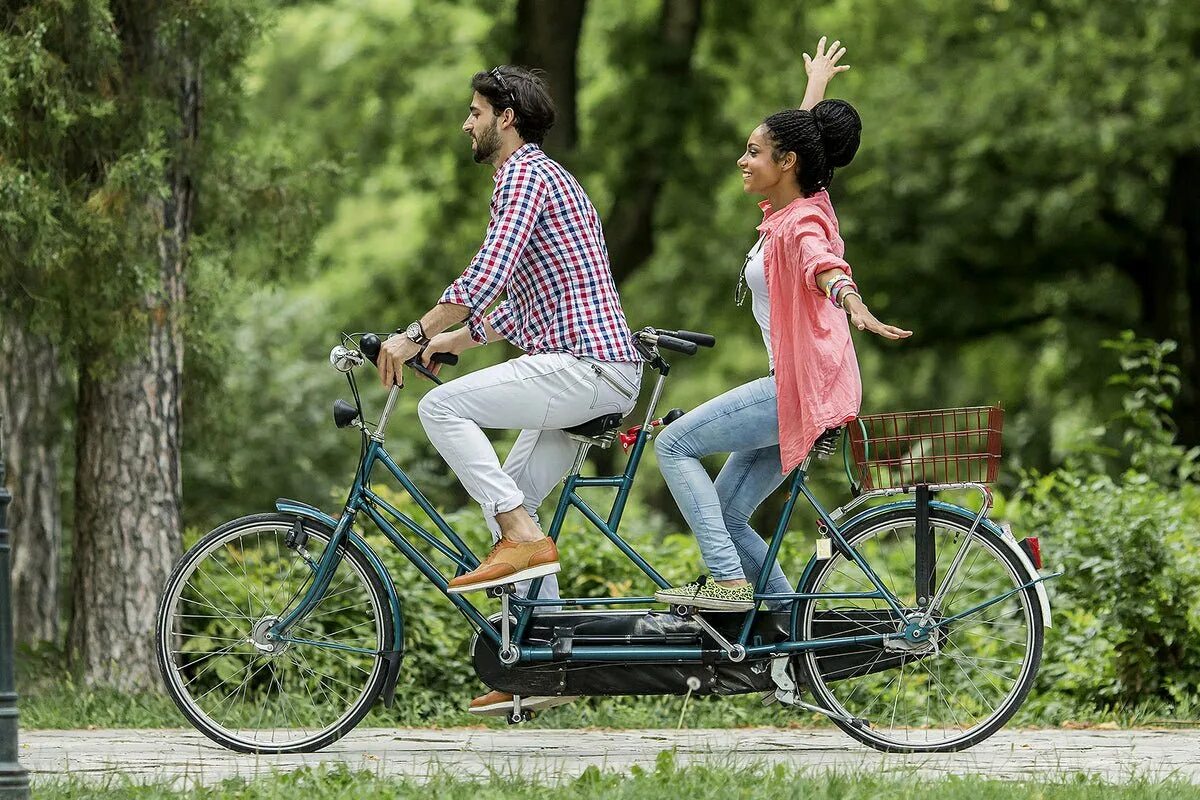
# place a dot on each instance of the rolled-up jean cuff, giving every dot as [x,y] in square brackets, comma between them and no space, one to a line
[513,501]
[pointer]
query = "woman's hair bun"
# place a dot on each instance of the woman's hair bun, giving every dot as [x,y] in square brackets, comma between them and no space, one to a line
[841,130]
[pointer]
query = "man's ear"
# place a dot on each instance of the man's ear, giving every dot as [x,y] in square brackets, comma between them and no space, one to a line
[508,118]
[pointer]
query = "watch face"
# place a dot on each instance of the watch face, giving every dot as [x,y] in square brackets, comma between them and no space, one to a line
[414,331]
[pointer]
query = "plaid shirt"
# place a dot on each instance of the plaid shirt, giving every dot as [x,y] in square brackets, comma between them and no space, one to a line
[545,248]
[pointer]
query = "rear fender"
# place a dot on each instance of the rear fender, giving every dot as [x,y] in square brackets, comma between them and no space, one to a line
[968,517]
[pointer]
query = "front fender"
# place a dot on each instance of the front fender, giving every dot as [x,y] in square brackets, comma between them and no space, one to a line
[968,517]
[314,514]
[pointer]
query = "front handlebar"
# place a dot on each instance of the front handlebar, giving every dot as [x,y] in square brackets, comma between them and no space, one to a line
[370,345]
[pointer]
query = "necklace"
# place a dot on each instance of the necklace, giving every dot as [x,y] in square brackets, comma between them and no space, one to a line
[739,291]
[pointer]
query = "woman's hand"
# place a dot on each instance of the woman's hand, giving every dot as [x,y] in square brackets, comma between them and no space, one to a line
[862,318]
[824,65]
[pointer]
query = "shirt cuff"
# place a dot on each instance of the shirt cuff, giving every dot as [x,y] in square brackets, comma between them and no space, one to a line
[457,295]
[503,320]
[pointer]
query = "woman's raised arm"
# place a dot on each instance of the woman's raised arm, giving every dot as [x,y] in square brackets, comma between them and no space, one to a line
[821,68]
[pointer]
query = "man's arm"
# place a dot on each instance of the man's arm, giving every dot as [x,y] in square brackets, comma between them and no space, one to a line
[517,207]
[821,68]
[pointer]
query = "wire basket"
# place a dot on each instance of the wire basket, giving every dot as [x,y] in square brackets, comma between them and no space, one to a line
[909,448]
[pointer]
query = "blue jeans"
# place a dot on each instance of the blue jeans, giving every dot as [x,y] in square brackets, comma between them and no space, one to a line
[744,423]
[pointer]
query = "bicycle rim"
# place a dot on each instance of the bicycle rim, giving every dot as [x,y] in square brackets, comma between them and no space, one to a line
[251,694]
[952,691]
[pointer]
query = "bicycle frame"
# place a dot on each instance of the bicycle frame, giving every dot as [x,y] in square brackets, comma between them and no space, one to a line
[362,499]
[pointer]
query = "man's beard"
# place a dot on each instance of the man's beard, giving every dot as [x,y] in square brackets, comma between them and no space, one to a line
[486,144]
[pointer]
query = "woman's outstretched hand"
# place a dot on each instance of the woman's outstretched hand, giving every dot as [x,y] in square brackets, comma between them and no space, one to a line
[824,65]
[862,318]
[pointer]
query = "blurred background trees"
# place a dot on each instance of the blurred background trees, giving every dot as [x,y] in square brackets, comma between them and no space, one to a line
[197,198]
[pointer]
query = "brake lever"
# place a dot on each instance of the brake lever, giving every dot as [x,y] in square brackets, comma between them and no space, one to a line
[441,358]
[416,364]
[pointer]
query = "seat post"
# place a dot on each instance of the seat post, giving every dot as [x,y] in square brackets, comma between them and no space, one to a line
[580,458]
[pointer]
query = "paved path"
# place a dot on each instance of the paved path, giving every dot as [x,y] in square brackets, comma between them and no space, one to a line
[189,758]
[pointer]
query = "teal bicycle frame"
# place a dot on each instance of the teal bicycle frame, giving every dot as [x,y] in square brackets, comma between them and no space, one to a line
[393,524]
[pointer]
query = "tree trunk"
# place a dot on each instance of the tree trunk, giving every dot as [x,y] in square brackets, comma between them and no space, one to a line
[629,229]
[1182,230]
[127,485]
[31,388]
[548,39]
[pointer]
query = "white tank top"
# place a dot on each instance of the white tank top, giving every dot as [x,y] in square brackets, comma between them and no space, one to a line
[756,281]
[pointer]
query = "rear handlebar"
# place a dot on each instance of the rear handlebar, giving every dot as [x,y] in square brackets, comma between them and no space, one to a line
[678,345]
[701,339]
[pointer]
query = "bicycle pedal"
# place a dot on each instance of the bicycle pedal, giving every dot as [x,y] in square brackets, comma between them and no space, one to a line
[517,719]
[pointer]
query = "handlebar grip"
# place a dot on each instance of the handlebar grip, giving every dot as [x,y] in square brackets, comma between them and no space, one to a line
[678,345]
[369,346]
[444,358]
[702,339]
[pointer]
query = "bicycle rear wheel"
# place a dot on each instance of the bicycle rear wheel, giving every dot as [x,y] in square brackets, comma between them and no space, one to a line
[951,691]
[244,691]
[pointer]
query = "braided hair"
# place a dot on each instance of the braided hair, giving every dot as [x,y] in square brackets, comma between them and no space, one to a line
[822,139]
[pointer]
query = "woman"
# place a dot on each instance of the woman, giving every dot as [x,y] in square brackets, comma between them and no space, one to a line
[802,293]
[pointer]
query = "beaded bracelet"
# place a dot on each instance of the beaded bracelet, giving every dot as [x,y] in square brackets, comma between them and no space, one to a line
[843,286]
[833,283]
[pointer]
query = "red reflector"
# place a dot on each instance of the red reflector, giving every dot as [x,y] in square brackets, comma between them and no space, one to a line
[1034,549]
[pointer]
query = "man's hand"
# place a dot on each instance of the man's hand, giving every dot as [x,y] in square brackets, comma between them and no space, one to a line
[449,342]
[395,351]
[864,320]
[824,65]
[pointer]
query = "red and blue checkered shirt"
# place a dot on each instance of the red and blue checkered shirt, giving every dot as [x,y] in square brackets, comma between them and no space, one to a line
[545,248]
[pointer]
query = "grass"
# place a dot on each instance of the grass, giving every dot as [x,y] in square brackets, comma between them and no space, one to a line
[66,705]
[665,780]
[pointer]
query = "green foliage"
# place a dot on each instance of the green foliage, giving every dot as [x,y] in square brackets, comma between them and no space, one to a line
[1127,609]
[1151,385]
[1128,606]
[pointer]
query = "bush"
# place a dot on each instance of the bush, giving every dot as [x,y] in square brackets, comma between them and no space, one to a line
[1127,609]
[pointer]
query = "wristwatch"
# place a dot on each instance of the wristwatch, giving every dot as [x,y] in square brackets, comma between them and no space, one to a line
[415,332]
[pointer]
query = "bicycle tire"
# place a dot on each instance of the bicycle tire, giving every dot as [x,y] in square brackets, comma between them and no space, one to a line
[170,624]
[820,677]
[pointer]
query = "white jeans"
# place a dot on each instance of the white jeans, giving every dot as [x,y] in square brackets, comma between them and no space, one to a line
[538,395]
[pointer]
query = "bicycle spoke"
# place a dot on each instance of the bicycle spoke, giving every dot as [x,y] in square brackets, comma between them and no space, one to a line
[265,693]
[947,687]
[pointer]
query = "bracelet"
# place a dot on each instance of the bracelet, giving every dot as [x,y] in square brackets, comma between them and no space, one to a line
[833,283]
[841,303]
[839,291]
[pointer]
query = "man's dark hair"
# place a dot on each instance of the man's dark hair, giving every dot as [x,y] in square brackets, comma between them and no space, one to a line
[525,93]
[823,139]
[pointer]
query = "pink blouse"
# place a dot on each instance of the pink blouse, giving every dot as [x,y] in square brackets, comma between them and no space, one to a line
[816,372]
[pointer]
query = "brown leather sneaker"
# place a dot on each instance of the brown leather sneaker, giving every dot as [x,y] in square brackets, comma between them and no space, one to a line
[510,562]
[496,704]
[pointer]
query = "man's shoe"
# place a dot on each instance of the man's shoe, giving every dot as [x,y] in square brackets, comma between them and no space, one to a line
[500,704]
[510,562]
[710,595]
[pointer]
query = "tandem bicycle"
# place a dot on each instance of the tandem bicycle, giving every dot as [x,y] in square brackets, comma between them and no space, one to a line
[916,626]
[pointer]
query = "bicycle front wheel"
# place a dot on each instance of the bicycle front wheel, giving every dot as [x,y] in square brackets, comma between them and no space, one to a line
[954,689]
[232,682]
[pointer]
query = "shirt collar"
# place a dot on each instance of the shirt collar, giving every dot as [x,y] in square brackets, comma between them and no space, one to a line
[520,153]
[771,218]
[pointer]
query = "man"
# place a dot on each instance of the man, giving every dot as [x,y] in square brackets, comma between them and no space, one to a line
[545,251]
